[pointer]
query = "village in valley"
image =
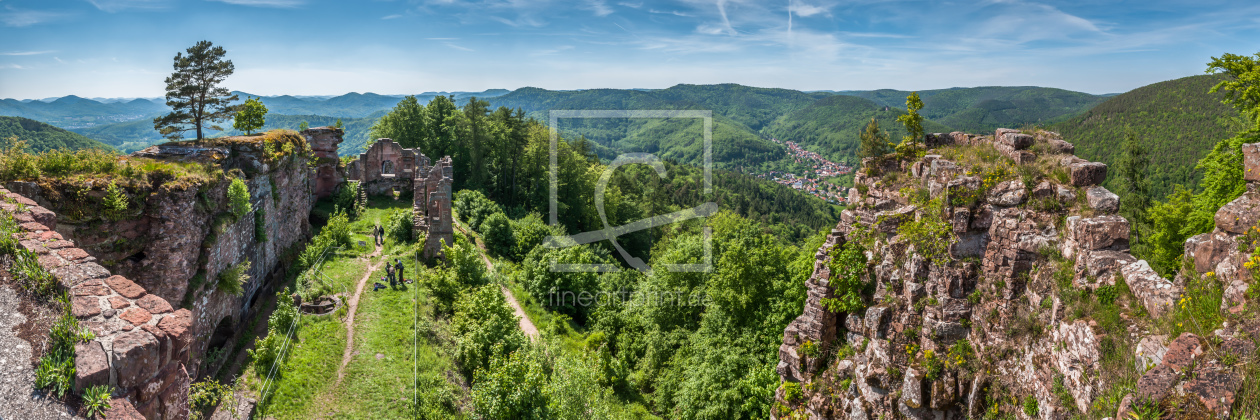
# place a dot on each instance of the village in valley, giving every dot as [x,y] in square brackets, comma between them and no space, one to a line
[817,180]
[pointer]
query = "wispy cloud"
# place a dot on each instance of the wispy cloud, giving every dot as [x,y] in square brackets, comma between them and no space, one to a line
[27,52]
[112,6]
[20,18]
[266,3]
[599,7]
[394,16]
[11,66]
[452,45]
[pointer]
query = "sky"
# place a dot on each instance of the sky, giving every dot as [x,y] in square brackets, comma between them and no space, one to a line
[124,48]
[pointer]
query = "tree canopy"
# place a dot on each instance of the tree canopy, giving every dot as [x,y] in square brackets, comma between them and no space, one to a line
[194,94]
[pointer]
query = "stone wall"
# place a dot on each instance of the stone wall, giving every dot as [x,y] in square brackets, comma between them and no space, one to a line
[142,343]
[387,166]
[431,205]
[998,252]
[328,171]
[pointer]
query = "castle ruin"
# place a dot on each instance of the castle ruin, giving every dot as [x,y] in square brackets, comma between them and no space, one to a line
[387,167]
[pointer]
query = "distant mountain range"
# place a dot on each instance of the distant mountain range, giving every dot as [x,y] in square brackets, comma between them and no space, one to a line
[41,137]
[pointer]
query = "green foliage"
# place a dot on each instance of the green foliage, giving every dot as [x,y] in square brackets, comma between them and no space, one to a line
[339,124]
[206,395]
[848,278]
[1177,122]
[911,119]
[40,137]
[986,108]
[1106,294]
[528,233]
[32,276]
[1030,406]
[347,198]
[466,263]
[484,328]
[232,280]
[497,232]
[810,349]
[266,351]
[874,142]
[1242,88]
[933,367]
[56,369]
[194,94]
[474,208]
[238,198]
[251,116]
[1199,309]
[304,126]
[115,202]
[570,293]
[1061,392]
[792,392]
[96,400]
[512,387]
[929,233]
[399,226]
[833,126]
[1134,188]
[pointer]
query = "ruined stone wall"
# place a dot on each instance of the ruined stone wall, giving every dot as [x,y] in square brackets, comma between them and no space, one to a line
[142,343]
[177,241]
[387,166]
[997,252]
[328,171]
[431,205]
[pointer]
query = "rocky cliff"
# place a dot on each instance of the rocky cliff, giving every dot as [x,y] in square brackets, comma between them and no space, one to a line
[177,234]
[990,278]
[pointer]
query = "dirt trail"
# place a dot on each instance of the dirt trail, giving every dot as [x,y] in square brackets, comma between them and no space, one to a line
[353,307]
[526,325]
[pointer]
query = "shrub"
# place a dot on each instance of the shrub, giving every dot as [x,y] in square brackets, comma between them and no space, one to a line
[205,395]
[792,392]
[347,198]
[31,275]
[1030,406]
[848,269]
[1106,295]
[266,351]
[56,367]
[528,233]
[929,234]
[932,366]
[238,198]
[115,202]
[485,328]
[474,207]
[399,226]
[467,264]
[497,231]
[96,400]
[232,280]
[809,349]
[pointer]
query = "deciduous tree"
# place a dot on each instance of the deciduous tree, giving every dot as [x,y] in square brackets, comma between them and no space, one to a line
[251,116]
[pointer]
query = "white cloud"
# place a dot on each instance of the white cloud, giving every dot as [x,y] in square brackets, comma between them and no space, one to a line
[21,18]
[265,3]
[11,66]
[452,45]
[599,7]
[805,10]
[394,16]
[27,52]
[112,6]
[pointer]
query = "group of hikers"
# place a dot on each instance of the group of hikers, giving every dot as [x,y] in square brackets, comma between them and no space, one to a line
[394,272]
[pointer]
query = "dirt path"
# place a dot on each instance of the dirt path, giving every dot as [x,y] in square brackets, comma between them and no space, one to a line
[353,307]
[526,325]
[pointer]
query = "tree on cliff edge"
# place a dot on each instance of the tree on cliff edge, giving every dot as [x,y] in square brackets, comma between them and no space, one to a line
[194,94]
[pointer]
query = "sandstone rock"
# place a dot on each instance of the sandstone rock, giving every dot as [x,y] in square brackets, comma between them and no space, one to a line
[1156,384]
[121,409]
[1043,190]
[912,389]
[934,140]
[889,221]
[91,365]
[960,219]
[85,306]
[969,245]
[1061,147]
[1077,358]
[90,288]
[1102,232]
[135,358]
[1150,352]
[1064,194]
[1239,215]
[118,302]
[1251,161]
[1084,174]
[1209,249]
[1235,294]
[136,316]
[962,190]
[125,287]
[1102,266]
[1183,351]
[1156,293]
[174,397]
[876,321]
[855,196]
[853,323]
[982,218]
[1007,194]
[1215,388]
[154,304]
[1102,200]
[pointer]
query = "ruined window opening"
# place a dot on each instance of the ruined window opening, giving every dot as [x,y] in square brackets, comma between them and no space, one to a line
[222,333]
[137,257]
[387,167]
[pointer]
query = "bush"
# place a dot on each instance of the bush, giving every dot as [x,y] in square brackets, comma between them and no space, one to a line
[1030,406]
[232,280]
[115,202]
[792,392]
[468,267]
[848,269]
[238,198]
[260,225]
[528,233]
[399,226]
[96,400]
[205,395]
[497,231]
[485,328]
[474,207]
[347,198]
[266,351]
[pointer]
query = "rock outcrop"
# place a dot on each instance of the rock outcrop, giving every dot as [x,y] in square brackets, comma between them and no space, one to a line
[979,288]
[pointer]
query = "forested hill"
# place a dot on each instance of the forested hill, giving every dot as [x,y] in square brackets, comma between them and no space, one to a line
[41,137]
[985,108]
[1178,121]
[830,126]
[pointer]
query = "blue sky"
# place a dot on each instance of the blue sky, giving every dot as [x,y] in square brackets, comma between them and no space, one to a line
[123,48]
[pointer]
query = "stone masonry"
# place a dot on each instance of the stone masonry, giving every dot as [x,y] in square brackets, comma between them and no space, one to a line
[328,171]
[142,343]
[432,205]
[386,166]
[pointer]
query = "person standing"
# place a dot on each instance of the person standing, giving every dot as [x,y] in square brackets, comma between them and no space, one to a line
[389,273]
[398,268]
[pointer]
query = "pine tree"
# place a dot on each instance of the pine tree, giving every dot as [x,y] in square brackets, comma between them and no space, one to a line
[194,94]
[874,142]
[1134,186]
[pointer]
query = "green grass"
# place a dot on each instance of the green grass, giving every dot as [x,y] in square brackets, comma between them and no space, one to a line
[309,368]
